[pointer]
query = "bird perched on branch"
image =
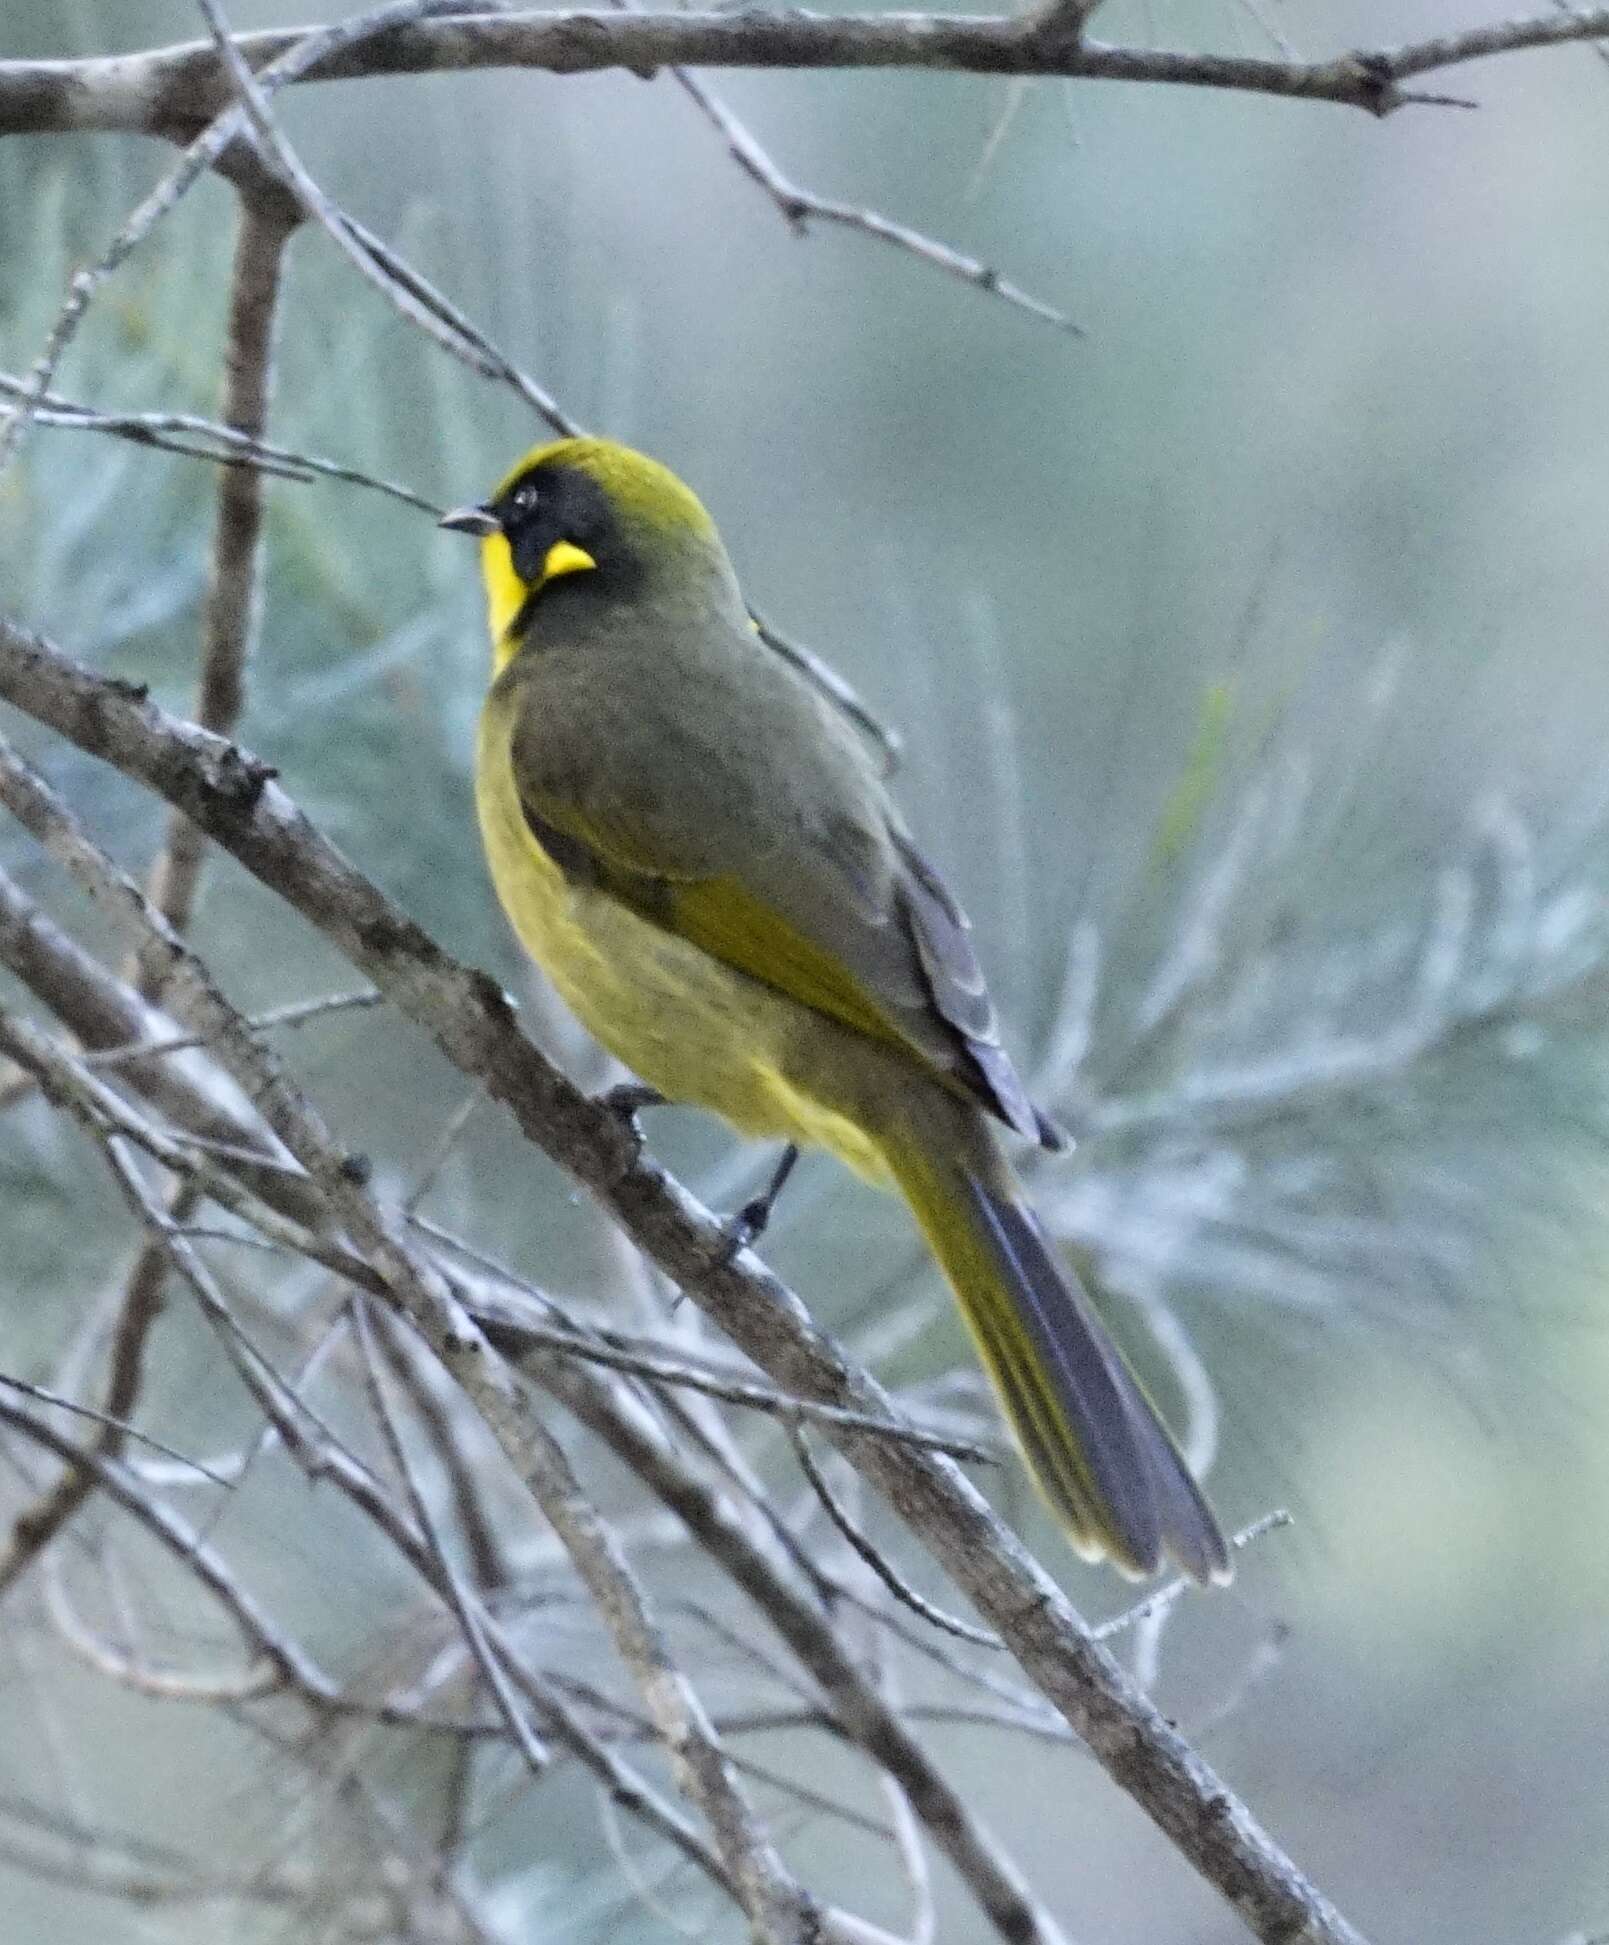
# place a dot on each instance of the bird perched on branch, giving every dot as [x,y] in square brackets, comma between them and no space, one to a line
[699,851]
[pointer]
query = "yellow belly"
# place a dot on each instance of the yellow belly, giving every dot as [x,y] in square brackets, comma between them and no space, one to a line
[687,1024]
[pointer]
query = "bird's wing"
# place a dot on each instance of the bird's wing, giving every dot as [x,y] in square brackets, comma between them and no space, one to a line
[847,917]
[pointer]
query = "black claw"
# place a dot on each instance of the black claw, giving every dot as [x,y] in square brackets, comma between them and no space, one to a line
[629,1098]
[626,1101]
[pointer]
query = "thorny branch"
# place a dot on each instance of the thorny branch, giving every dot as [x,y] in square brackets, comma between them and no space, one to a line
[172,91]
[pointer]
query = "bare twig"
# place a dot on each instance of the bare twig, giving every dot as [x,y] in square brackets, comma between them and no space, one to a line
[463,1602]
[174,90]
[43,1395]
[881,1566]
[802,207]
[260,1634]
[35,1528]
[859,1713]
[234,797]
[515,1334]
[295,1014]
[193,437]
[106,1014]
[469,1503]
[204,152]
[833,686]
[1160,1599]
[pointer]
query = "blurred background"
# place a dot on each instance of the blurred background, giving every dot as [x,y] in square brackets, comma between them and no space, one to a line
[1249,656]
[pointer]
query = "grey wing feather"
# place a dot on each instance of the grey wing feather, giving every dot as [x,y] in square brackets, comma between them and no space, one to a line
[942,935]
[826,852]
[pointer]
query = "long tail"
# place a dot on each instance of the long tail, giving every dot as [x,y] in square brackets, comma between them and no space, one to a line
[1092,1440]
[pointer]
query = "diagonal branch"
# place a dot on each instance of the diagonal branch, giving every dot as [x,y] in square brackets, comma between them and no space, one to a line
[193,437]
[779,1910]
[104,1014]
[234,797]
[801,207]
[767,1578]
[207,150]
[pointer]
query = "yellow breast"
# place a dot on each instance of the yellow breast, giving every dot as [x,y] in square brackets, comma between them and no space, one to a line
[685,1022]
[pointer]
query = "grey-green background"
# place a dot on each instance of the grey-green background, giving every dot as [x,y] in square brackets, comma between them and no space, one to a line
[1336,446]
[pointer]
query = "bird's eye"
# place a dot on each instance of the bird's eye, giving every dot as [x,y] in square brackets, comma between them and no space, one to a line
[524,498]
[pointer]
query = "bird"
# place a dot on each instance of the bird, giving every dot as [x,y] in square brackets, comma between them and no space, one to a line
[703,856]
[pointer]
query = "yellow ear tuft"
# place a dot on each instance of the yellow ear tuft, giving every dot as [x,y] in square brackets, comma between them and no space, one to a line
[564,557]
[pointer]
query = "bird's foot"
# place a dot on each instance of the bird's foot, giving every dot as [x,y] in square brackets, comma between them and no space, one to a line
[749,1224]
[626,1101]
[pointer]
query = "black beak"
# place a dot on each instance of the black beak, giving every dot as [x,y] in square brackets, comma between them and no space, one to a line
[471,520]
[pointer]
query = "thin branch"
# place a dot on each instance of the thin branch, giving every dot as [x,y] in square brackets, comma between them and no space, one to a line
[194,437]
[776,1905]
[206,151]
[172,91]
[43,1395]
[924,1929]
[105,1014]
[802,207]
[34,1529]
[453,1455]
[880,1565]
[234,797]
[770,1580]
[1162,1598]
[121,1486]
[890,744]
[516,1334]
[65,1079]
[465,1606]
[73,1853]
[295,1014]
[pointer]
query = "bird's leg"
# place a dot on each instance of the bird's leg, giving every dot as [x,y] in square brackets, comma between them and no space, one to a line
[748,1225]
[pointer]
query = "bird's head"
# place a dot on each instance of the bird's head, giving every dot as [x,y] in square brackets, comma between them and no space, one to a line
[585,521]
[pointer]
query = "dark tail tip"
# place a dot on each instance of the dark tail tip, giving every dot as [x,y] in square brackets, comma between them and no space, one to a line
[1095,1443]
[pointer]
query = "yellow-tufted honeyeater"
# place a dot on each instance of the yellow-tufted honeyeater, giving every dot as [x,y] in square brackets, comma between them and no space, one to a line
[701,855]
